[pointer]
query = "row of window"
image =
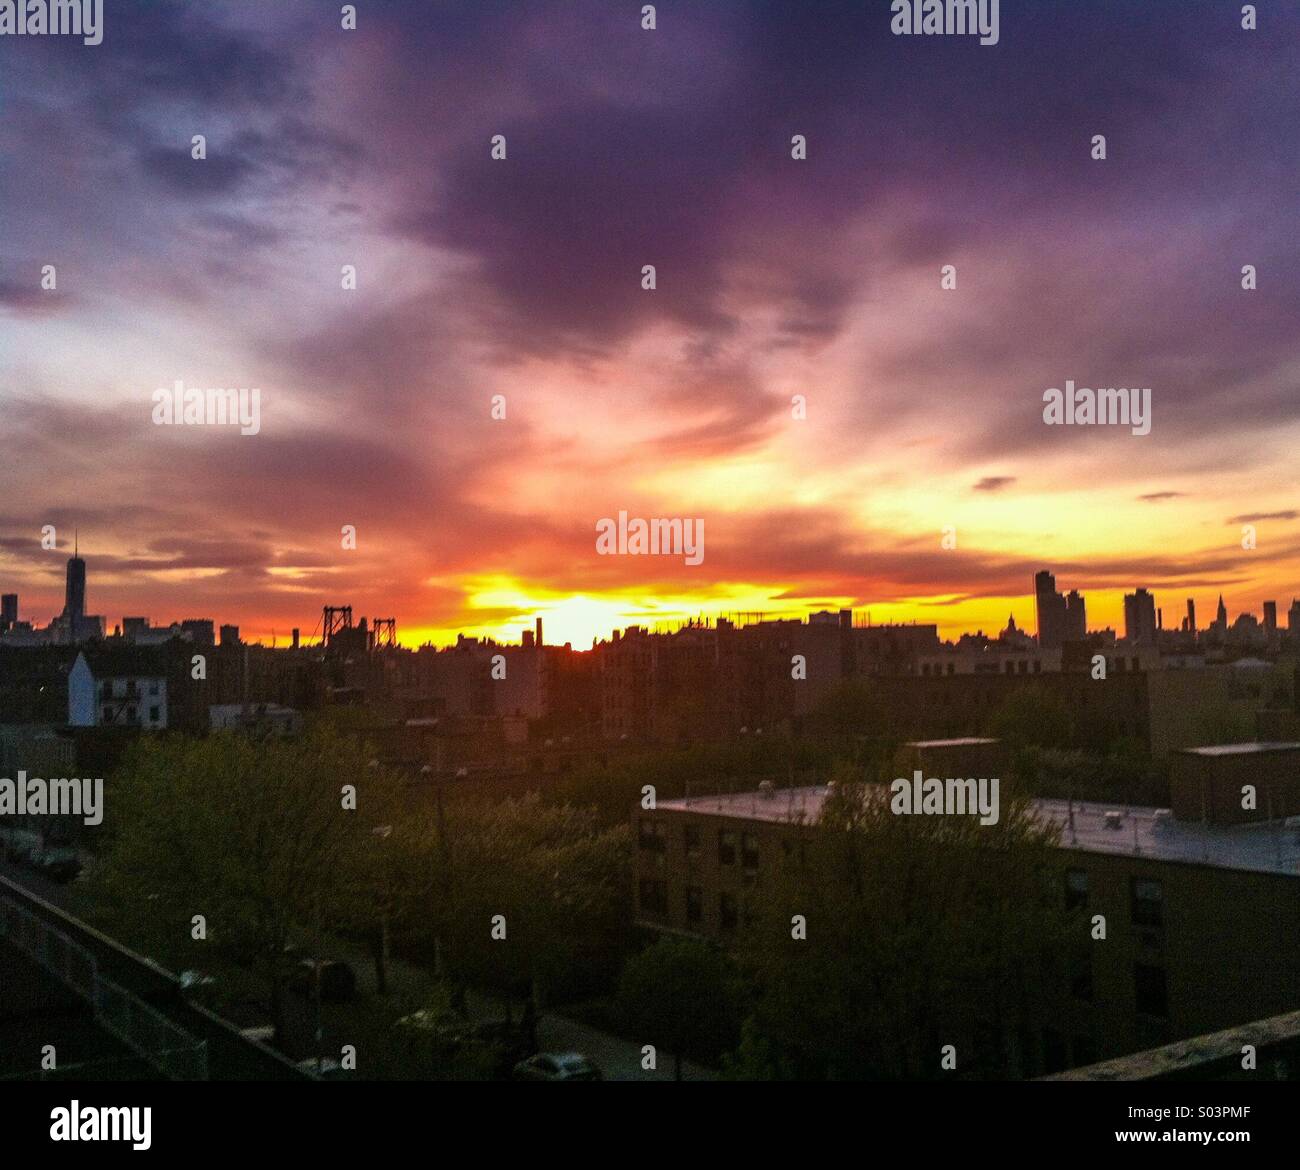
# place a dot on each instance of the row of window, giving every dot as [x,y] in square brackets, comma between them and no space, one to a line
[115,689]
[1012,666]
[111,715]
[654,901]
[652,836]
[1146,897]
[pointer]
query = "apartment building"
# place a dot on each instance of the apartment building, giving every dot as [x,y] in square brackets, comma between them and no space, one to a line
[1202,920]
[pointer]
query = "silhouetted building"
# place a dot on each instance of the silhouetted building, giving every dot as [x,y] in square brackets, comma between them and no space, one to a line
[8,610]
[1051,610]
[1076,617]
[74,605]
[230,635]
[1140,617]
[134,627]
[1270,618]
[199,631]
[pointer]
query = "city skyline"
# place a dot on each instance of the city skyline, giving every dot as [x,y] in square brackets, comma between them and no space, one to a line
[1069,626]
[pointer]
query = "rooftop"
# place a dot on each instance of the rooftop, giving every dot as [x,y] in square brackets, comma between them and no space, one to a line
[1267,847]
[1241,749]
[1272,847]
[964,741]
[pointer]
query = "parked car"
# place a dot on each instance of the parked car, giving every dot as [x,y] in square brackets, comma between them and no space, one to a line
[557,1066]
[338,984]
[59,863]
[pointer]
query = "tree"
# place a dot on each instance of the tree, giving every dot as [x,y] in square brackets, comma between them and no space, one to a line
[254,836]
[918,931]
[680,995]
[556,880]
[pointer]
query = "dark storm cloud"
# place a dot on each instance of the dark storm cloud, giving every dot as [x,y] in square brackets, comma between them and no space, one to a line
[27,298]
[1253,517]
[603,178]
[217,175]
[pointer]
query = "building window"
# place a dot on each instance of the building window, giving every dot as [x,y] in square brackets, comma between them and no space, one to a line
[694,904]
[654,896]
[1151,993]
[155,714]
[749,850]
[650,836]
[726,847]
[153,688]
[1147,902]
[692,840]
[728,911]
[1076,888]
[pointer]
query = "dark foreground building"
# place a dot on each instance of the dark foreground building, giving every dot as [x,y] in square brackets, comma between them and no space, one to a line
[1202,921]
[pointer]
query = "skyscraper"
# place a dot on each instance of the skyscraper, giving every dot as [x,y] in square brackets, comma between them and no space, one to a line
[8,610]
[74,604]
[1050,607]
[1191,616]
[1076,617]
[1221,617]
[1140,618]
[1270,618]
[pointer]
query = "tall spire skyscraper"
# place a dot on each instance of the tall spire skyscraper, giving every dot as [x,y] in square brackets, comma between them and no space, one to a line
[74,603]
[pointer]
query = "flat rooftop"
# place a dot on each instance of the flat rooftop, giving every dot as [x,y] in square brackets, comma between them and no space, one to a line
[1262,848]
[1241,749]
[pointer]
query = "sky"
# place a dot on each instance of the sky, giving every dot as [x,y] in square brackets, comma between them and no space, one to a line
[797,379]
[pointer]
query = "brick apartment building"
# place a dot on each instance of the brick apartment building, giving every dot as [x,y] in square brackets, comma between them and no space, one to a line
[1203,919]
